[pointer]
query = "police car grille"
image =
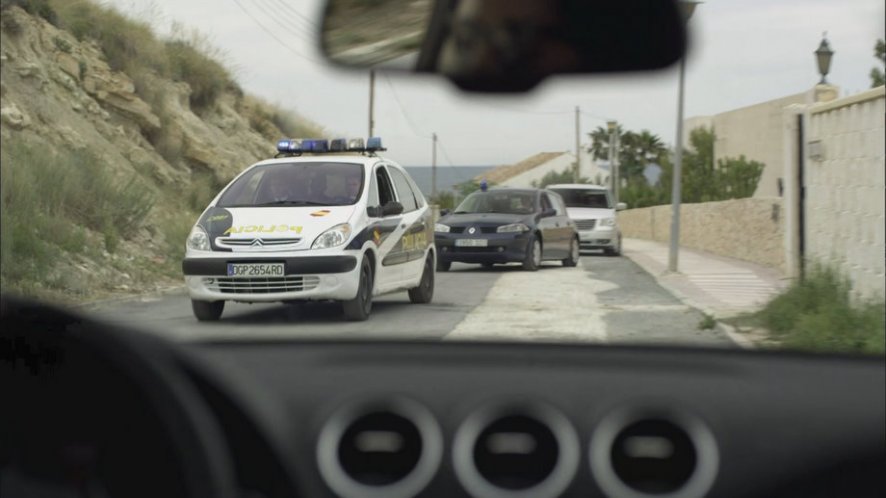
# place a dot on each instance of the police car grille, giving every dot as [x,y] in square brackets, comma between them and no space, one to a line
[264,285]
[456,229]
[586,224]
[231,242]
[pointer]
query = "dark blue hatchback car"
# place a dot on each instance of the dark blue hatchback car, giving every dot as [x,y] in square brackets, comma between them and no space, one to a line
[525,226]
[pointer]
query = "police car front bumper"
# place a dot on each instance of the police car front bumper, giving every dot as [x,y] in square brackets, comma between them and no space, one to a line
[305,277]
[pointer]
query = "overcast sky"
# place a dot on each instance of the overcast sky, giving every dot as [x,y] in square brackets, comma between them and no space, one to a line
[743,52]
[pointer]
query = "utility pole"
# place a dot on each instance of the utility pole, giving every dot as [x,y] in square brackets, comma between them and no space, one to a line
[616,166]
[434,167]
[613,172]
[676,188]
[577,173]
[371,100]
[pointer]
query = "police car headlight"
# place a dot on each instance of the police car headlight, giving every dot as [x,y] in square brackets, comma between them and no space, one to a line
[513,228]
[607,222]
[441,228]
[333,237]
[198,240]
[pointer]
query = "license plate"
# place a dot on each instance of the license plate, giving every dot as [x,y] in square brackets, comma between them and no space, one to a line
[471,242]
[255,269]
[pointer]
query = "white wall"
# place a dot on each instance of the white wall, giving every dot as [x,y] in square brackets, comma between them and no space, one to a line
[845,187]
[587,168]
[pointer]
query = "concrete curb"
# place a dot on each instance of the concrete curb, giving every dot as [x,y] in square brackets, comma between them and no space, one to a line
[726,329]
[101,303]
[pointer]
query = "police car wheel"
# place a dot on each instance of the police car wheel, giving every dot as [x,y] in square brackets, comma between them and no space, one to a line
[425,290]
[358,309]
[207,311]
[443,265]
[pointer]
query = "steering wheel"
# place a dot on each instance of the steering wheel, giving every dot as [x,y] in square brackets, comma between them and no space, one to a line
[93,405]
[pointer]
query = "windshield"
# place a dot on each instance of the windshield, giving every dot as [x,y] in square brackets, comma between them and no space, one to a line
[579,198]
[498,202]
[735,197]
[310,184]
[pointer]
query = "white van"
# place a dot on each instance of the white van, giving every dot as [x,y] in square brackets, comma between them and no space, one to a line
[320,221]
[591,207]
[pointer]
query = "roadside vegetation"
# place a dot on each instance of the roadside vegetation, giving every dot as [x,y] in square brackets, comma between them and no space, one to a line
[74,229]
[704,179]
[818,314]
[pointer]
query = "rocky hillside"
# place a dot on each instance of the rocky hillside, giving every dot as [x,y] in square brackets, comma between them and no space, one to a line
[106,163]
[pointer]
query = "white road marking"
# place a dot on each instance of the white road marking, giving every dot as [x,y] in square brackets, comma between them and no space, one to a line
[552,304]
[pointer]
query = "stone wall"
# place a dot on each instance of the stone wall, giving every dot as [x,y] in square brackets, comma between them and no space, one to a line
[748,229]
[845,186]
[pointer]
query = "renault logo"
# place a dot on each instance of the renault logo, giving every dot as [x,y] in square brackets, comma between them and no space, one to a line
[472,230]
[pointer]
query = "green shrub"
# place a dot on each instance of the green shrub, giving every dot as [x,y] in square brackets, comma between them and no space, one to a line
[40,8]
[127,44]
[48,198]
[817,313]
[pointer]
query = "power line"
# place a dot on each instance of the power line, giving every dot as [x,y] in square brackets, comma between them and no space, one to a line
[293,16]
[403,109]
[272,35]
[306,20]
[277,20]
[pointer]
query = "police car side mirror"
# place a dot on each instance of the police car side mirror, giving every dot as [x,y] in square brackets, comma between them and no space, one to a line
[547,213]
[621,206]
[392,208]
[444,212]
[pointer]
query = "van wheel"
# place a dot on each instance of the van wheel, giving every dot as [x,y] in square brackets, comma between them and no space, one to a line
[358,309]
[425,290]
[533,255]
[572,260]
[207,311]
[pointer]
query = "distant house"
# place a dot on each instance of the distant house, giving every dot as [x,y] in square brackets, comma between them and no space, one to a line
[535,167]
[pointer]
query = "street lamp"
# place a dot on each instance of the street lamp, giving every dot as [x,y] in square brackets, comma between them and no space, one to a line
[823,56]
[687,8]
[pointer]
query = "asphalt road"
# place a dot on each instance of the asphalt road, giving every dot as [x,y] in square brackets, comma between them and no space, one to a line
[604,299]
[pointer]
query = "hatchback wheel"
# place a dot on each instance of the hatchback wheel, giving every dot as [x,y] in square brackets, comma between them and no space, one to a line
[572,260]
[533,255]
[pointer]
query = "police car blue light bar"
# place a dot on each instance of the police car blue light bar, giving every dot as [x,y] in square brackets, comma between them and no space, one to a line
[374,143]
[320,146]
[338,145]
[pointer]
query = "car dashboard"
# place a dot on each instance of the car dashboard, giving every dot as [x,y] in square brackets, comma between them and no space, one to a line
[128,414]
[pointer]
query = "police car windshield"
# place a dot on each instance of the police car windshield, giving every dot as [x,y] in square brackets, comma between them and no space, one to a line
[296,184]
[579,198]
[498,202]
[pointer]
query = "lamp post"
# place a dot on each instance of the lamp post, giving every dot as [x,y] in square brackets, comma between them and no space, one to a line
[687,7]
[612,126]
[823,56]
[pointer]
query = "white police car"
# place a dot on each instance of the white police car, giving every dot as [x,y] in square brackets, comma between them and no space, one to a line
[320,221]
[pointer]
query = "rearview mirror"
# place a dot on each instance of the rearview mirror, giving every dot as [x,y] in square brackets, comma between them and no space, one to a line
[547,213]
[444,212]
[503,45]
[621,206]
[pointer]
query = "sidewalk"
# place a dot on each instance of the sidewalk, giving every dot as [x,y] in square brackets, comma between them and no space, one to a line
[716,285]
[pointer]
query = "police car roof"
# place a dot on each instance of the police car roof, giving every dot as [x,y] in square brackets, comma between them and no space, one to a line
[344,157]
[584,186]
